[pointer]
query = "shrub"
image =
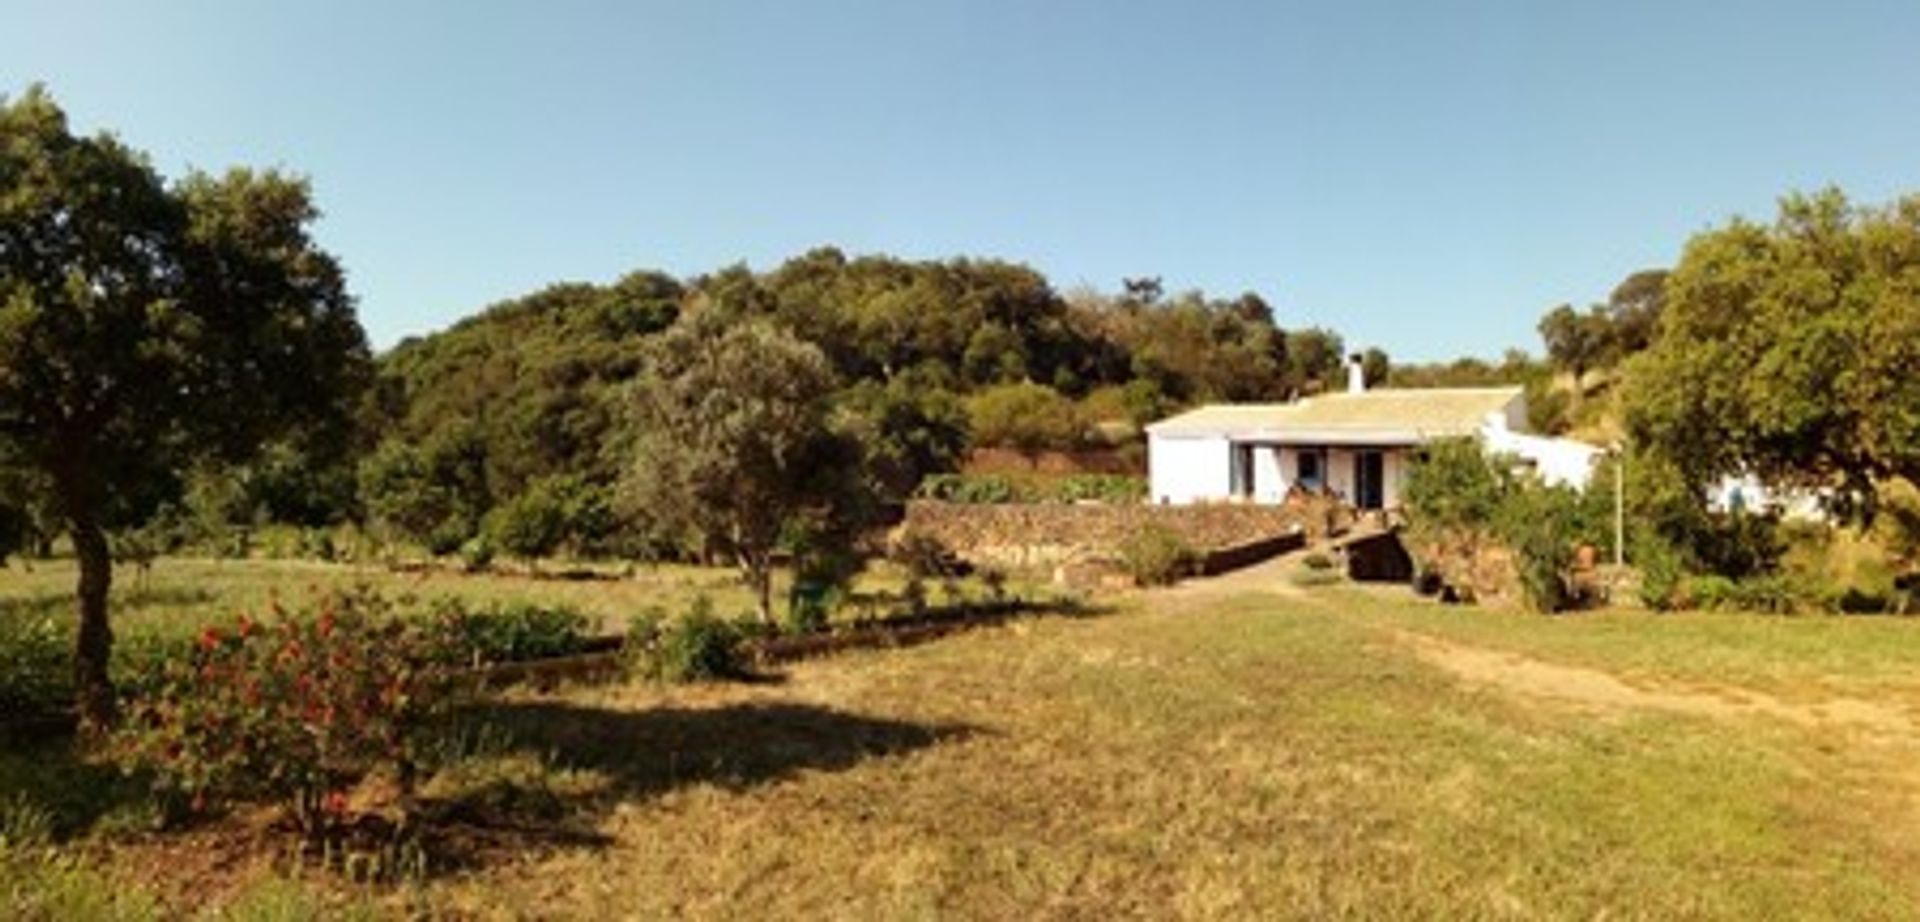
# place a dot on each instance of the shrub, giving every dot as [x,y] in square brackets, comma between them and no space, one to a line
[1774,594]
[1662,571]
[297,711]
[1317,560]
[974,489]
[1104,488]
[925,556]
[809,607]
[1025,416]
[530,526]
[35,662]
[511,632]
[477,554]
[1155,556]
[696,647]
[1709,591]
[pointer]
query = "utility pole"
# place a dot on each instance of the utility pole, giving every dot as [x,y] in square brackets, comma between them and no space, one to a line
[1619,507]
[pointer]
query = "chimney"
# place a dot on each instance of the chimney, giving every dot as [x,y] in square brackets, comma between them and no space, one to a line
[1356,375]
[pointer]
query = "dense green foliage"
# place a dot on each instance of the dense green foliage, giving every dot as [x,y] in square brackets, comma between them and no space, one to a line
[734,447]
[928,358]
[1788,351]
[1156,556]
[1463,500]
[144,326]
[697,646]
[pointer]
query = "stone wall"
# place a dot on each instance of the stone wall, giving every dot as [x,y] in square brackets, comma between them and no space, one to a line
[1046,535]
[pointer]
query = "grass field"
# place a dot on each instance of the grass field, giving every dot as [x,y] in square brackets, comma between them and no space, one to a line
[1234,749]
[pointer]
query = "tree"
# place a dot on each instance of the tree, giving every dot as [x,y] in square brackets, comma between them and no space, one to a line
[1026,417]
[733,443]
[143,326]
[1375,367]
[1315,357]
[1633,313]
[1788,350]
[1575,341]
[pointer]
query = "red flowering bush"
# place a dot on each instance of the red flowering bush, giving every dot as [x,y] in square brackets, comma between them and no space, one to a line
[298,709]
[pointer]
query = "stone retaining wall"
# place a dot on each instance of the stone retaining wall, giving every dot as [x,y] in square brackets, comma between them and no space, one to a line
[1045,535]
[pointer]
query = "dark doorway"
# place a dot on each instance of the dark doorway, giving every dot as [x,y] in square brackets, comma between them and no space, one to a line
[1369,474]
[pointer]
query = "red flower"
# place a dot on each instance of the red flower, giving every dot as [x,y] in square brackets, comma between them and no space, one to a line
[209,638]
[246,626]
[336,803]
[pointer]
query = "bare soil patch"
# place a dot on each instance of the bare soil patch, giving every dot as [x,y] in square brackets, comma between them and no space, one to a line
[1593,688]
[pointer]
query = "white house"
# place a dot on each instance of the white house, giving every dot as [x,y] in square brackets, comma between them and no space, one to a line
[1357,445]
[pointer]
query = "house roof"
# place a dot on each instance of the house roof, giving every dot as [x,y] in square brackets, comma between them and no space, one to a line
[1387,416]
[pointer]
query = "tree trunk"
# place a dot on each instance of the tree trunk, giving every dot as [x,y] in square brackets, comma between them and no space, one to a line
[759,576]
[93,645]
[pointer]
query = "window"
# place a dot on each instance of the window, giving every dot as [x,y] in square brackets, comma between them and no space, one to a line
[1309,474]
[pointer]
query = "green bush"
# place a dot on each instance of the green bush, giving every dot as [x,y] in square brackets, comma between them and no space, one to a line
[1662,572]
[35,662]
[1155,556]
[1775,594]
[512,632]
[477,554]
[1025,416]
[1318,560]
[696,647]
[976,489]
[983,489]
[1710,591]
[810,606]
[1115,489]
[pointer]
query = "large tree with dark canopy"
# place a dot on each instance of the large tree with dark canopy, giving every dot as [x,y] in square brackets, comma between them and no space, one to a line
[144,325]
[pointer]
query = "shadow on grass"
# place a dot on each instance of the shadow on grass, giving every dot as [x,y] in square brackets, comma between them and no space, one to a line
[647,752]
[47,788]
[638,755]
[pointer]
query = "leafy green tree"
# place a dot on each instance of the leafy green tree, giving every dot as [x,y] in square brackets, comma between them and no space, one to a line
[1633,314]
[733,443]
[1789,350]
[143,325]
[436,494]
[907,430]
[1575,341]
[1315,359]
[1375,367]
[531,525]
[1027,417]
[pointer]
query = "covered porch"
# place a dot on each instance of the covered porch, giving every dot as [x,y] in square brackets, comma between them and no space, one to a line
[1363,476]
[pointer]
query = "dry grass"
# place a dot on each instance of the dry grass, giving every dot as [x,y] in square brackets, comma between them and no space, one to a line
[1239,754]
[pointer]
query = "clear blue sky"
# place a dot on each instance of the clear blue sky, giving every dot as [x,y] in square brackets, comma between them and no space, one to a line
[1427,177]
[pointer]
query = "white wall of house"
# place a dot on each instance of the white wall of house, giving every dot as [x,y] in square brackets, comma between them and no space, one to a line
[1189,469]
[1558,461]
[1269,475]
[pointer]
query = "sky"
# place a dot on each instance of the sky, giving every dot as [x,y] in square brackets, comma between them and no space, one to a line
[1426,177]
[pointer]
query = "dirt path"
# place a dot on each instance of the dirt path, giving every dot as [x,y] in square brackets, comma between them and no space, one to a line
[1592,688]
[1267,576]
[1577,686]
